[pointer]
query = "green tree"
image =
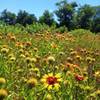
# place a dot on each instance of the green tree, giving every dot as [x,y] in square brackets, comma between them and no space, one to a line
[25,18]
[85,16]
[65,13]
[47,18]
[8,17]
[96,25]
[96,20]
[97,9]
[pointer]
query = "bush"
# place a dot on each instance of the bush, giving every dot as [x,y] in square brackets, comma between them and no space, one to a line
[79,32]
[37,28]
[62,29]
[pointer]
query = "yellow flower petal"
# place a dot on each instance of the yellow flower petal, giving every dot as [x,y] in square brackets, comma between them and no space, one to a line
[49,87]
[56,86]
[45,76]
[59,80]
[45,85]
[50,74]
[58,75]
[43,80]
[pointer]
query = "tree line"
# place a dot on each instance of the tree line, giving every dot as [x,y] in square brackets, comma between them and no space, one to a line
[69,15]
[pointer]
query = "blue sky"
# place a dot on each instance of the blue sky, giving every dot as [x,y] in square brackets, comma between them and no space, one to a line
[37,6]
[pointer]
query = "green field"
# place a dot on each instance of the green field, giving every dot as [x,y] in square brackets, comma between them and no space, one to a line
[48,65]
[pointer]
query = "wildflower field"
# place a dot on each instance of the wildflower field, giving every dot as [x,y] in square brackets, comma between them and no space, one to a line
[49,66]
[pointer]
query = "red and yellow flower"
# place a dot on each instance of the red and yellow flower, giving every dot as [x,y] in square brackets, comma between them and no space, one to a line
[52,81]
[79,77]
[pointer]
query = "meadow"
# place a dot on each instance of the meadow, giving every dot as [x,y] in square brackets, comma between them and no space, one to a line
[49,65]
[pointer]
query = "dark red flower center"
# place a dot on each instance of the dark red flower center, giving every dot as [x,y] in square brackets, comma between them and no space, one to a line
[51,80]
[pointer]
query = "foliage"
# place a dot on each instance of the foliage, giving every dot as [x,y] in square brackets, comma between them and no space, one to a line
[24,18]
[61,29]
[84,16]
[8,17]
[96,20]
[37,28]
[65,13]
[47,18]
[96,25]
[46,66]
[69,16]
[97,9]
[80,32]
